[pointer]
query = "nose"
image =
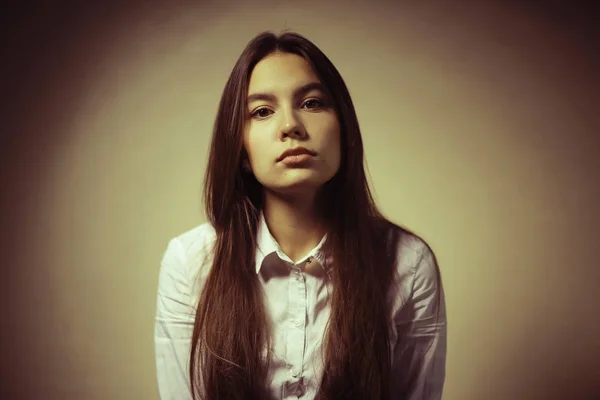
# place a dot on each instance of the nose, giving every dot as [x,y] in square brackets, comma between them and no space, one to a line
[291,127]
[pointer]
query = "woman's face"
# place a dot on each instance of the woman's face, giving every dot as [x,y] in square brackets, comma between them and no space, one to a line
[287,109]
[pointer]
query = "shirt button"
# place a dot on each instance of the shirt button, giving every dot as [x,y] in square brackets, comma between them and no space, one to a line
[294,372]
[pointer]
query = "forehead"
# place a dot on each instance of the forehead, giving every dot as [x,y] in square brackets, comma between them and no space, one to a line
[280,71]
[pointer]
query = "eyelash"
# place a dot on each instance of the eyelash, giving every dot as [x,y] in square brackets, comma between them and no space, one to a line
[320,103]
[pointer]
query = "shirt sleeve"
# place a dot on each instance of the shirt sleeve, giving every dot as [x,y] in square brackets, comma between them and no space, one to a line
[174,323]
[419,363]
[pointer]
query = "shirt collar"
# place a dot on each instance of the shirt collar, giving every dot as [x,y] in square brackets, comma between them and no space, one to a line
[266,245]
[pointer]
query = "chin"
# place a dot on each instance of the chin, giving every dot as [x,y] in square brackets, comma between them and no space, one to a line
[295,180]
[291,185]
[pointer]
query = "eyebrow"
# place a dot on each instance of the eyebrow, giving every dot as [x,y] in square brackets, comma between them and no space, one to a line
[297,93]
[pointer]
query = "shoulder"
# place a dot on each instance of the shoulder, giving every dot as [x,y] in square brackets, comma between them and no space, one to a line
[408,247]
[415,263]
[197,241]
[189,254]
[413,248]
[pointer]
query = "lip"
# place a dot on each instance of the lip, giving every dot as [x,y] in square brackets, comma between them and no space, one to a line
[296,151]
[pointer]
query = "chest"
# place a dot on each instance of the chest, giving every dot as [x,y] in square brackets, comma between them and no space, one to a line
[298,309]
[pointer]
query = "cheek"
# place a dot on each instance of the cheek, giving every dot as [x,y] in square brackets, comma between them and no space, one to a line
[245,141]
[256,145]
[250,144]
[333,145]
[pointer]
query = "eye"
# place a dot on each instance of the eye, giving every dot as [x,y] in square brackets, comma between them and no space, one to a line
[262,112]
[313,104]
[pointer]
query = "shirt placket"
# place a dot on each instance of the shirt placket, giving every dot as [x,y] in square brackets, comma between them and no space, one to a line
[296,332]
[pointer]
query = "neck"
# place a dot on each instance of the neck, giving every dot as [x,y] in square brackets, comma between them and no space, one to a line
[294,221]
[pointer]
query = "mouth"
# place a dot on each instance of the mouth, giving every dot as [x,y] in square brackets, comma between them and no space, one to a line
[297,151]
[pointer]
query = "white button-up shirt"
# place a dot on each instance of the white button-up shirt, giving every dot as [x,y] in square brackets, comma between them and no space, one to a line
[298,308]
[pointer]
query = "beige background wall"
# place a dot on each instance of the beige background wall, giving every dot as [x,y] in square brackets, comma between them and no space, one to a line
[481,132]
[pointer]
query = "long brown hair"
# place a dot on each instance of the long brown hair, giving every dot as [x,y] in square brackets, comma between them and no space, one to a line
[230,334]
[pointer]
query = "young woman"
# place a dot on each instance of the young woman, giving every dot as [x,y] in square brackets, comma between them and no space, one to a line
[297,287]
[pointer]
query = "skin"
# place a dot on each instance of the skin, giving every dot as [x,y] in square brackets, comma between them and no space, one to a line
[288,117]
